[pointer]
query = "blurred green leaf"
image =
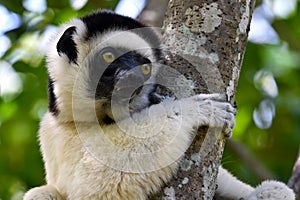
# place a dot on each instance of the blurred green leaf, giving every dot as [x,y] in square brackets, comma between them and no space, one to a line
[8,110]
[15,5]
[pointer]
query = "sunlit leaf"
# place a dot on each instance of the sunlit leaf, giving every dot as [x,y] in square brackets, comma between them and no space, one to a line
[78,4]
[264,114]
[10,82]
[38,6]
[265,82]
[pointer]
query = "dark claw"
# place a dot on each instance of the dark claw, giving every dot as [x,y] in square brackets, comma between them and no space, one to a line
[227,129]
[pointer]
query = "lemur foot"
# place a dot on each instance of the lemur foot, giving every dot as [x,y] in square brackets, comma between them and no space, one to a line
[46,192]
[272,190]
[218,112]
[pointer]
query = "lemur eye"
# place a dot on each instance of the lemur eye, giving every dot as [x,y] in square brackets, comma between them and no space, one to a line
[108,57]
[146,69]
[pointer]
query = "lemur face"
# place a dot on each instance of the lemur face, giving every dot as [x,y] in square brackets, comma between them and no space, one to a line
[98,58]
[124,70]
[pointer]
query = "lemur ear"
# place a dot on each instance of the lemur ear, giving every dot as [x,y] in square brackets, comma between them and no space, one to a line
[67,46]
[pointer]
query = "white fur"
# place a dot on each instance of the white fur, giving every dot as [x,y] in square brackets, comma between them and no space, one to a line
[125,39]
[127,160]
[271,190]
[230,187]
[108,163]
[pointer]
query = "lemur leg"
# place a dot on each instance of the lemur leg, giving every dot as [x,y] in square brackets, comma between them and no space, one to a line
[229,187]
[46,192]
[272,190]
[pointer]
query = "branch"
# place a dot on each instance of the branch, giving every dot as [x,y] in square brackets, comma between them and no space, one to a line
[250,160]
[207,41]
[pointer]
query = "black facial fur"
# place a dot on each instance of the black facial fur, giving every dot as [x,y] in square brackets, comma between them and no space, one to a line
[66,45]
[104,76]
[52,98]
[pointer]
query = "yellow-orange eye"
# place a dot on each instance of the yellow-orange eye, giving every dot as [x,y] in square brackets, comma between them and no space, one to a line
[108,57]
[146,69]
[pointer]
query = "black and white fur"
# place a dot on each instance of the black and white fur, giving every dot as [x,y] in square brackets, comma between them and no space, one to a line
[88,152]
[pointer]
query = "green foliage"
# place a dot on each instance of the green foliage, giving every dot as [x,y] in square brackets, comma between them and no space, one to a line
[21,165]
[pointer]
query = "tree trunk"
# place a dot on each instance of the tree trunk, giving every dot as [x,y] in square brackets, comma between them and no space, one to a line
[206,41]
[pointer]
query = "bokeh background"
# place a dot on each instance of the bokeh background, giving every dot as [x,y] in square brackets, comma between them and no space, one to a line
[265,141]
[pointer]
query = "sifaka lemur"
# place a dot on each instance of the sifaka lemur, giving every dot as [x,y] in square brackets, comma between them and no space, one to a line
[107,133]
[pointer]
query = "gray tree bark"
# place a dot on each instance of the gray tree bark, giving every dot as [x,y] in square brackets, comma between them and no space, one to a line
[206,40]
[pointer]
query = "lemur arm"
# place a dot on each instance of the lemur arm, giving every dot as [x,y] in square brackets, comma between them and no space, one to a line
[230,187]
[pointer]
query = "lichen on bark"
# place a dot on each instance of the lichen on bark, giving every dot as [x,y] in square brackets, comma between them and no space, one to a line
[206,41]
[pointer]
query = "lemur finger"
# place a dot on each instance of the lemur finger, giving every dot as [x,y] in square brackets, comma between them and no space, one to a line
[224,106]
[221,114]
[229,125]
[227,129]
[230,108]
[213,96]
[221,105]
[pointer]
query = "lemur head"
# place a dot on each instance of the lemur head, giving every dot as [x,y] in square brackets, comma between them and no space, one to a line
[95,57]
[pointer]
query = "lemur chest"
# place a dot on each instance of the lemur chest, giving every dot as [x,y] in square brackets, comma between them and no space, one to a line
[97,178]
[95,164]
